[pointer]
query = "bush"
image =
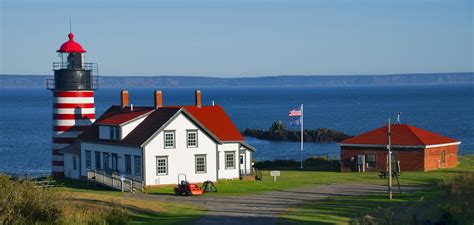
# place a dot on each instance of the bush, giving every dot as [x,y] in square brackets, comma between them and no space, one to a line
[454,206]
[316,163]
[23,203]
[458,207]
[118,216]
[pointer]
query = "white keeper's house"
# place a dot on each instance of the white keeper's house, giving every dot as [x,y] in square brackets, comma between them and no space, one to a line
[155,144]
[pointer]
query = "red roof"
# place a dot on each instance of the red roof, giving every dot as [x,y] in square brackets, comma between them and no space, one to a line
[213,118]
[115,115]
[401,134]
[216,121]
[71,46]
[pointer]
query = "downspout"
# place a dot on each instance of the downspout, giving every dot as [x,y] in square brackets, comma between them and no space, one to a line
[217,162]
[238,159]
[143,167]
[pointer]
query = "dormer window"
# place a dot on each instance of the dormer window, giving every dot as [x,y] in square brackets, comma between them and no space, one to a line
[110,132]
[114,133]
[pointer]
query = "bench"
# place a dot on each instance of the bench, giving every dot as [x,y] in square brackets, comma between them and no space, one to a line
[45,183]
[384,174]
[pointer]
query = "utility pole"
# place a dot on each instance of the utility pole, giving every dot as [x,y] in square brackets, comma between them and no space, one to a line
[389,161]
[302,136]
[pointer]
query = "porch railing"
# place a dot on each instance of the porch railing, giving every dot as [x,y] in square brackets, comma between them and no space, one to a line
[114,180]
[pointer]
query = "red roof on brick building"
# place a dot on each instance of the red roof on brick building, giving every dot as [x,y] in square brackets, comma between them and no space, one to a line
[401,135]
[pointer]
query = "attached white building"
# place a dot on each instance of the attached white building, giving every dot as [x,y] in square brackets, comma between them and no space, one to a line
[156,144]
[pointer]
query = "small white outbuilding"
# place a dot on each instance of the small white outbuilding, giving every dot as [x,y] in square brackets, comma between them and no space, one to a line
[156,144]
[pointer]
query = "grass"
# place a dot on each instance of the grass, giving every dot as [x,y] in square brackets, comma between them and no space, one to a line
[142,211]
[86,195]
[294,179]
[338,210]
[343,210]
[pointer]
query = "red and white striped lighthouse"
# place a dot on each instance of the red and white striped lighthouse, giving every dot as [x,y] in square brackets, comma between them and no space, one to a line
[73,99]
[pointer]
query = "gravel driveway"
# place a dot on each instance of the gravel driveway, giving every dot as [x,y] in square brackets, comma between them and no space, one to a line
[256,209]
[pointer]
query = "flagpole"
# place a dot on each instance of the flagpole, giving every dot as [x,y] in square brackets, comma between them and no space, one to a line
[302,136]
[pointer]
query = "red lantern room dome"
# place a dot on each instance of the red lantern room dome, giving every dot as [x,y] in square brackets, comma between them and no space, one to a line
[71,46]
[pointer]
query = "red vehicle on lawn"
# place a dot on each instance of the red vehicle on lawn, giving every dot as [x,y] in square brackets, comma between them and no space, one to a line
[186,188]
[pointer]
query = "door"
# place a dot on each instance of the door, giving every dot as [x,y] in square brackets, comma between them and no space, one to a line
[360,163]
[243,168]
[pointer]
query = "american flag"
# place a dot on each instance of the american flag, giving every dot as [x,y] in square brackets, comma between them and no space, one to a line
[294,112]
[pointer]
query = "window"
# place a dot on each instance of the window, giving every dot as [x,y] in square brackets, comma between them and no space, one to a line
[370,161]
[97,160]
[200,164]
[128,164]
[443,156]
[114,162]
[192,138]
[74,163]
[137,165]
[241,159]
[114,133]
[169,139]
[106,165]
[161,165]
[88,160]
[229,160]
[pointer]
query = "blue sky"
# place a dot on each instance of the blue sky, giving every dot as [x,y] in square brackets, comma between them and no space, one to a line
[242,38]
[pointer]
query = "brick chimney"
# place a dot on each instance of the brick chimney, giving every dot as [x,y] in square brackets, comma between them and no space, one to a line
[158,99]
[124,98]
[198,99]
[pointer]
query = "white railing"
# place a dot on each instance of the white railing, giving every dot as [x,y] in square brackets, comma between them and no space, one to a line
[114,180]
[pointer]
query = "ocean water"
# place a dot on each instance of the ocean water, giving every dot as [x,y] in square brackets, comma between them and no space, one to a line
[25,116]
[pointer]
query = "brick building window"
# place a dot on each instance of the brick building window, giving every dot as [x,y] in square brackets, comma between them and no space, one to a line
[443,156]
[370,161]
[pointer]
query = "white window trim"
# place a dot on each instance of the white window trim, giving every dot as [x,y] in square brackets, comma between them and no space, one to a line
[88,160]
[164,139]
[166,161]
[114,133]
[187,138]
[233,160]
[135,165]
[196,165]
[126,162]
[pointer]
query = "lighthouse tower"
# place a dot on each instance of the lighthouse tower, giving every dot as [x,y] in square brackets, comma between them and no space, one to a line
[73,98]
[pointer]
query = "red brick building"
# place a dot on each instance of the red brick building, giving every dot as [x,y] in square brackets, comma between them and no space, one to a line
[413,149]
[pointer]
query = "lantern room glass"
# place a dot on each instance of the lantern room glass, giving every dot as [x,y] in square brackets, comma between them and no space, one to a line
[70,60]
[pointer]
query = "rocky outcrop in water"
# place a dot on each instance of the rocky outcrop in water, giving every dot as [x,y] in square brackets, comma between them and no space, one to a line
[278,132]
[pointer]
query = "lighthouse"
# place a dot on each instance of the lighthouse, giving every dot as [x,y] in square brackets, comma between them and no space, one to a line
[73,88]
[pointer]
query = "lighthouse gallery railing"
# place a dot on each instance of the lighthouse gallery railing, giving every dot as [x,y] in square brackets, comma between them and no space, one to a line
[94,81]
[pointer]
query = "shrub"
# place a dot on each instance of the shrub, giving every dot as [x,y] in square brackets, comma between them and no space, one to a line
[22,203]
[454,206]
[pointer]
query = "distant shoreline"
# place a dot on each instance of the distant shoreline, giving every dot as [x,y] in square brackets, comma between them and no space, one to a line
[31,81]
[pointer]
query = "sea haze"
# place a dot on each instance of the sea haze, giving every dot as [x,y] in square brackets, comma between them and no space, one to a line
[25,116]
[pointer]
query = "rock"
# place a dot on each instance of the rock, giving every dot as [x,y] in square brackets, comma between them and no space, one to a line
[278,132]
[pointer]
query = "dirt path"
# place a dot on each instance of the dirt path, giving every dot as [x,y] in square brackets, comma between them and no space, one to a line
[256,209]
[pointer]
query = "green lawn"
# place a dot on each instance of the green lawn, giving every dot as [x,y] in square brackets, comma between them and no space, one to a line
[143,211]
[337,210]
[293,179]
[342,210]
